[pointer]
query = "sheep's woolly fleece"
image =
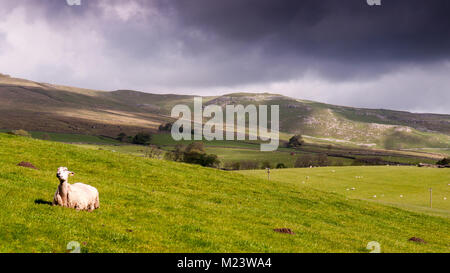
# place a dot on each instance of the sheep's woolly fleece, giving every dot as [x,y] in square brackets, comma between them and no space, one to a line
[78,196]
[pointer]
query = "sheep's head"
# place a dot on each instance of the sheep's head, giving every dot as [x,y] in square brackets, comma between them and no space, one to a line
[63,173]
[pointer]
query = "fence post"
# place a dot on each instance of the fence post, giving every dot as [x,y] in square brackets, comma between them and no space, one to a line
[431,198]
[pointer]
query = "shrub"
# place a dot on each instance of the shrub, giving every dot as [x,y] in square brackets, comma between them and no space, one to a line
[20,132]
[195,147]
[153,152]
[166,127]
[295,141]
[281,166]
[210,160]
[177,154]
[121,137]
[444,161]
[206,160]
[194,153]
[142,139]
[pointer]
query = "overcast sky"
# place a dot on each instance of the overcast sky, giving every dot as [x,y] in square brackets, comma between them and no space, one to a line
[394,56]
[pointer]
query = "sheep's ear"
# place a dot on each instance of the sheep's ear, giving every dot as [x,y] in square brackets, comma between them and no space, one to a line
[72,173]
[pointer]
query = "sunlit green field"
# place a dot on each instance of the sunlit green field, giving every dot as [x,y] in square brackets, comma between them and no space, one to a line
[406,187]
[149,205]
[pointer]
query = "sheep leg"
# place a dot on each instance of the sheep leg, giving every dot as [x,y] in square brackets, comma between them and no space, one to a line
[97,203]
[57,200]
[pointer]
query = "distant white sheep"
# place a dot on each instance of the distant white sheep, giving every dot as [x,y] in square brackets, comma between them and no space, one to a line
[77,196]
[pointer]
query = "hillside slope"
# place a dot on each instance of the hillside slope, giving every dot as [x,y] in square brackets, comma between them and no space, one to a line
[45,107]
[159,206]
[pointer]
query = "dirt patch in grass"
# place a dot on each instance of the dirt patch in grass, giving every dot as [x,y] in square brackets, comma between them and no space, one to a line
[27,165]
[417,240]
[284,230]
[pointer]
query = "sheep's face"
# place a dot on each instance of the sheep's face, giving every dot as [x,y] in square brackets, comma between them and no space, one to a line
[63,173]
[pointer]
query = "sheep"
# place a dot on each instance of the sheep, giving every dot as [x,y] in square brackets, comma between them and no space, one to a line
[78,196]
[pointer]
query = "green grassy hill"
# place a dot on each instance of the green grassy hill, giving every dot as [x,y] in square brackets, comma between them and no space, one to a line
[159,206]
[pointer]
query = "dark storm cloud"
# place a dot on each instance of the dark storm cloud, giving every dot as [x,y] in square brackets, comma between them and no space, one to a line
[339,39]
[202,46]
[337,31]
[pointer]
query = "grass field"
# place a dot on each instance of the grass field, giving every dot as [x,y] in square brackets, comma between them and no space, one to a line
[70,138]
[406,187]
[237,151]
[158,206]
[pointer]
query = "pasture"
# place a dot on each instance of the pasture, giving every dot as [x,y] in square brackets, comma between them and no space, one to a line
[402,186]
[149,205]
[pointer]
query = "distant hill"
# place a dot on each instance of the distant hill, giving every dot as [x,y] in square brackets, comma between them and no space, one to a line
[36,106]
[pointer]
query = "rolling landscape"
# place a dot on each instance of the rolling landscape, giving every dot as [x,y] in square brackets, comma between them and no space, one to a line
[51,108]
[225,136]
[328,209]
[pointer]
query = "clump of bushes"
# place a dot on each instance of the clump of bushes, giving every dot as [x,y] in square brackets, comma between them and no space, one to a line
[20,132]
[194,153]
[295,141]
[122,137]
[153,152]
[142,139]
[139,138]
[165,127]
[444,161]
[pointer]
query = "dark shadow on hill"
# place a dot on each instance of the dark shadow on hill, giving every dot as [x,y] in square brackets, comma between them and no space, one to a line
[42,202]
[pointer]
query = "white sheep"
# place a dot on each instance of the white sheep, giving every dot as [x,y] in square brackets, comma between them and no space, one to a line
[78,196]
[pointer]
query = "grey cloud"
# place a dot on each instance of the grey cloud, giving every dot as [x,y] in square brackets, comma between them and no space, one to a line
[204,45]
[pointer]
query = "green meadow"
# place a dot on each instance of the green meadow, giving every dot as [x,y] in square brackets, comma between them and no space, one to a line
[405,187]
[149,205]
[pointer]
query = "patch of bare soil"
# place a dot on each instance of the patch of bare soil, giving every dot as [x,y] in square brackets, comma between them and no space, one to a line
[284,230]
[27,165]
[417,240]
